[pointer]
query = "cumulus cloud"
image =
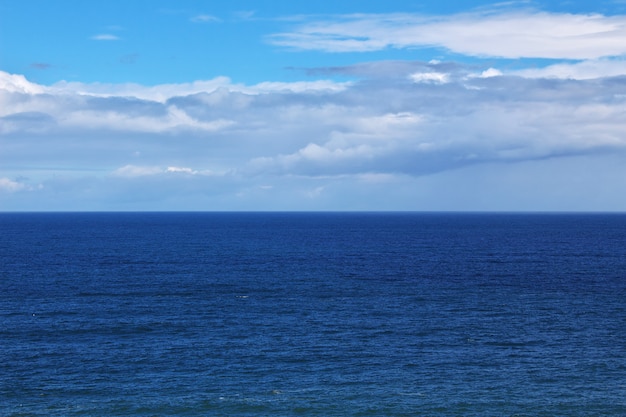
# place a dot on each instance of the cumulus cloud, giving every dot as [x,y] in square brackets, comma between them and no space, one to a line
[490,72]
[494,33]
[11,186]
[398,120]
[429,77]
[16,83]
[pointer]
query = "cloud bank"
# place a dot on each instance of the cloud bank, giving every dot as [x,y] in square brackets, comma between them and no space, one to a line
[424,118]
[398,134]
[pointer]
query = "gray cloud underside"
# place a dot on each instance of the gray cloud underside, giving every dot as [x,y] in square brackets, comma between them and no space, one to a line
[386,123]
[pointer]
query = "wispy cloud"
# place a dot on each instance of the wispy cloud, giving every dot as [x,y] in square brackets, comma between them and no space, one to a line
[105,37]
[163,92]
[129,58]
[244,14]
[204,18]
[41,65]
[496,33]
[137,171]
[142,171]
[588,69]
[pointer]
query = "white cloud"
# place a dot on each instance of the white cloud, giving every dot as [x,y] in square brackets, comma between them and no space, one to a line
[162,92]
[105,37]
[133,171]
[245,14]
[16,83]
[137,171]
[191,171]
[181,170]
[297,87]
[429,77]
[398,123]
[11,186]
[204,18]
[499,33]
[490,72]
[584,70]
[315,193]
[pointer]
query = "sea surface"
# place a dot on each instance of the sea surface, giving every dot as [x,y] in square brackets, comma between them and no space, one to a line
[312,314]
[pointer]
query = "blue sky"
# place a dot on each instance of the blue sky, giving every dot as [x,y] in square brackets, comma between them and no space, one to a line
[327,105]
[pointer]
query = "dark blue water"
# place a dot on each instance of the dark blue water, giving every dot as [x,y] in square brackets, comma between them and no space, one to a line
[282,314]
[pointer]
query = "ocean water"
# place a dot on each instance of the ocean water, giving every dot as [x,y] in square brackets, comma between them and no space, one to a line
[303,314]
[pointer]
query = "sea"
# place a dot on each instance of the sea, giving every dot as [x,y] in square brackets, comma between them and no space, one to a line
[312,314]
